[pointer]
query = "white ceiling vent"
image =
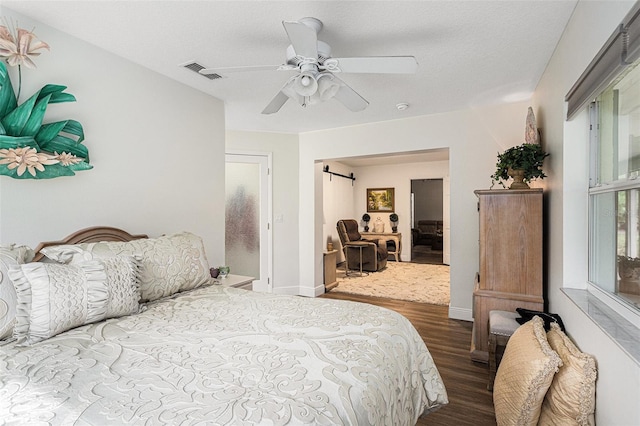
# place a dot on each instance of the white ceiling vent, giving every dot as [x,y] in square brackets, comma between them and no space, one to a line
[196,67]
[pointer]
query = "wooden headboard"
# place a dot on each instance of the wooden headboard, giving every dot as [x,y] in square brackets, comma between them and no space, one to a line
[90,235]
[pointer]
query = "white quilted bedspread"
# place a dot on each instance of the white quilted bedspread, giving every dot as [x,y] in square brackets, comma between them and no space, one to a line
[220,355]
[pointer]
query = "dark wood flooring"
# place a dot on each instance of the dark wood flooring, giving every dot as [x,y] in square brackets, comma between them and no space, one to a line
[470,403]
[425,254]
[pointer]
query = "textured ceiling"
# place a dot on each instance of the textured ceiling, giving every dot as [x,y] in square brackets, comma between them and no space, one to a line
[470,53]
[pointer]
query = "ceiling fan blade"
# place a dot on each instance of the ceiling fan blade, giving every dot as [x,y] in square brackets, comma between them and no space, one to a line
[287,92]
[224,70]
[375,64]
[303,38]
[350,98]
[276,103]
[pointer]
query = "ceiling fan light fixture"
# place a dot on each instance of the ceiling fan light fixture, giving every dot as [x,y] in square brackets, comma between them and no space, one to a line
[305,84]
[313,99]
[316,82]
[327,86]
[306,80]
[290,91]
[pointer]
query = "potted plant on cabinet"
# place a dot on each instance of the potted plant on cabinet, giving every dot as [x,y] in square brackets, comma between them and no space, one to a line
[366,218]
[629,273]
[393,218]
[522,163]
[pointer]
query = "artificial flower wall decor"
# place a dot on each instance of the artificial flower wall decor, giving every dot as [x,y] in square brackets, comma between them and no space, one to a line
[29,148]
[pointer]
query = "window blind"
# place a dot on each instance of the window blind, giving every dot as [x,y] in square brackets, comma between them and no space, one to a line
[621,49]
[632,33]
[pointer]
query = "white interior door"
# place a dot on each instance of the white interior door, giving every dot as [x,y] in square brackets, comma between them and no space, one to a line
[248,218]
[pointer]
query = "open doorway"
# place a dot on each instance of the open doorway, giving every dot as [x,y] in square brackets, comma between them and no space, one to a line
[348,199]
[427,229]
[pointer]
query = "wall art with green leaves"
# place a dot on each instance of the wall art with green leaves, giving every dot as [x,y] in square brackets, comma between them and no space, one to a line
[30,148]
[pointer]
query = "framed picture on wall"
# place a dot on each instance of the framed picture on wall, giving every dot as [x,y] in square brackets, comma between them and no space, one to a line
[380,200]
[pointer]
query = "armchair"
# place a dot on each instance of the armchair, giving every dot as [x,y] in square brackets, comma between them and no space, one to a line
[374,255]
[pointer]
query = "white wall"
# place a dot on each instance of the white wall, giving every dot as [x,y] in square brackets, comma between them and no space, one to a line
[474,137]
[618,386]
[338,194]
[284,151]
[157,148]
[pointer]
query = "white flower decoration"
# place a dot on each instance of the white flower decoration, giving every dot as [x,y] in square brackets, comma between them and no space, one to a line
[19,49]
[26,159]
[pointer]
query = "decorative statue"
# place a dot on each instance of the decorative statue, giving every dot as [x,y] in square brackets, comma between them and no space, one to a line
[378,226]
[531,133]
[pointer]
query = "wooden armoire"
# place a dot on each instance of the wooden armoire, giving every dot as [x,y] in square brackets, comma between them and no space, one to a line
[510,274]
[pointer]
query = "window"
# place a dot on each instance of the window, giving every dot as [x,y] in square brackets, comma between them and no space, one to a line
[610,88]
[614,194]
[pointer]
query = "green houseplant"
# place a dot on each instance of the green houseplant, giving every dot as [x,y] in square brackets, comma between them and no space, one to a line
[522,163]
[629,273]
[628,268]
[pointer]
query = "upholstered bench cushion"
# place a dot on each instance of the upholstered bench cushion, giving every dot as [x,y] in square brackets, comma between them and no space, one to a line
[503,322]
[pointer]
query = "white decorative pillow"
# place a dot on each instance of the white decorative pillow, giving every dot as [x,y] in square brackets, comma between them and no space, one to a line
[571,398]
[524,375]
[168,264]
[53,298]
[10,256]
[123,286]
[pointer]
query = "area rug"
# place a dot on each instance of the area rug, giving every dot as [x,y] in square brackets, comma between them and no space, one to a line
[401,280]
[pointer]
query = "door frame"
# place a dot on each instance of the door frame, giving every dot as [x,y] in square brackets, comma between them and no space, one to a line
[265,284]
[446,220]
[446,212]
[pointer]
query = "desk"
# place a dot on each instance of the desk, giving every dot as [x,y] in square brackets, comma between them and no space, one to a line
[396,237]
[237,281]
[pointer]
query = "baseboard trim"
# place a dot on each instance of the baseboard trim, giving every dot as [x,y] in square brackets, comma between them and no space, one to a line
[460,313]
[301,291]
[292,290]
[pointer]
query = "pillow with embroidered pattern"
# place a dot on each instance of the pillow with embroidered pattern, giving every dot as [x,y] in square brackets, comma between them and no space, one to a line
[52,297]
[168,264]
[524,375]
[571,399]
[10,256]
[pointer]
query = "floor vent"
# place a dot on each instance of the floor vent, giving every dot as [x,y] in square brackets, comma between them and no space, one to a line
[196,67]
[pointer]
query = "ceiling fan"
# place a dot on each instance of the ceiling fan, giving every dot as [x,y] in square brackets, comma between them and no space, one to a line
[316,80]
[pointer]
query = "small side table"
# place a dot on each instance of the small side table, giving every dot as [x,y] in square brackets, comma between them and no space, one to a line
[237,281]
[348,248]
[330,280]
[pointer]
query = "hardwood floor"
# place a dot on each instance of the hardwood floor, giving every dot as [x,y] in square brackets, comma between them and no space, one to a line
[470,403]
[424,254]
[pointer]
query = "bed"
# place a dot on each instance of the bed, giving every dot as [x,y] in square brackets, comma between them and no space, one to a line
[205,354]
